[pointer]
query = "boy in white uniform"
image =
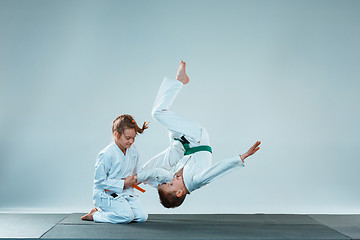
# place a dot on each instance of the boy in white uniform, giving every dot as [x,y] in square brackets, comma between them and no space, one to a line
[115,169]
[188,158]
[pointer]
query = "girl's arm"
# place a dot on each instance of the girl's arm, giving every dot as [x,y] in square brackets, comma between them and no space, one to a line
[101,179]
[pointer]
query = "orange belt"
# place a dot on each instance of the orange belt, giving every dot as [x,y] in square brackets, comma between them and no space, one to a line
[138,188]
[133,186]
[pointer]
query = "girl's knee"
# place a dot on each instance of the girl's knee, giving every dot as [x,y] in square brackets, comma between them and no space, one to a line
[124,217]
[141,217]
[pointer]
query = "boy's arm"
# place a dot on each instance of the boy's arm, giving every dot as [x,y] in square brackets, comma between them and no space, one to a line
[218,170]
[154,176]
[223,167]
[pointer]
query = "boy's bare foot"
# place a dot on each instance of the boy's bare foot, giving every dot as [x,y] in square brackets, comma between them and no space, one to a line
[89,216]
[181,74]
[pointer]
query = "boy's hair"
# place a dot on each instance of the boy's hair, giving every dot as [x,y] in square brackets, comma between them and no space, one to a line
[125,121]
[170,200]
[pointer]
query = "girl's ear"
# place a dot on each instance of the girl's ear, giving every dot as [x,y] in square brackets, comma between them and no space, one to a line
[117,135]
[179,193]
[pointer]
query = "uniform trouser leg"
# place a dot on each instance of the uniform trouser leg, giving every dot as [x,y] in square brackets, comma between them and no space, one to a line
[123,209]
[139,214]
[175,123]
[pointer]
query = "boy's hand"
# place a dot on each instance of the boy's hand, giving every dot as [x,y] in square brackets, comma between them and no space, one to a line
[130,180]
[251,151]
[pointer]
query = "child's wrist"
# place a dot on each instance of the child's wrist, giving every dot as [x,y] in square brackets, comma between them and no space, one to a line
[242,157]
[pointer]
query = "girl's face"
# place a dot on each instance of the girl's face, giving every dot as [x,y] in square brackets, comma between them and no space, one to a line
[127,138]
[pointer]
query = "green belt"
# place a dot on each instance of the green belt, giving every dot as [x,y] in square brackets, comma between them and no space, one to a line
[189,150]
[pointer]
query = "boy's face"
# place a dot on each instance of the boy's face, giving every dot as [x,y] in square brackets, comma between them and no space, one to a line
[127,138]
[173,186]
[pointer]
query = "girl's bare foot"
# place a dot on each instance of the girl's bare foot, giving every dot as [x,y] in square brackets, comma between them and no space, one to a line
[89,216]
[181,74]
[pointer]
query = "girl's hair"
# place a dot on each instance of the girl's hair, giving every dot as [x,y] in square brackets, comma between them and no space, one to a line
[125,121]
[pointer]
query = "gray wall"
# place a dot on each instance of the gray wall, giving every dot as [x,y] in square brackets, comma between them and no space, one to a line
[283,72]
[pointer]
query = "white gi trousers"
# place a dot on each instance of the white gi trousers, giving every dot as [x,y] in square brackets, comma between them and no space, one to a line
[122,209]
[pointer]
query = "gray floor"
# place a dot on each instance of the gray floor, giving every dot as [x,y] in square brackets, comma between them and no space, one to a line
[183,226]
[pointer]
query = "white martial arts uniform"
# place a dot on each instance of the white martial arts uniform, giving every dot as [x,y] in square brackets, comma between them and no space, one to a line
[112,166]
[198,170]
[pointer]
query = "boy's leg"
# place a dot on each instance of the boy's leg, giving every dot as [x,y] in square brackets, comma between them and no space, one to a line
[172,121]
[176,124]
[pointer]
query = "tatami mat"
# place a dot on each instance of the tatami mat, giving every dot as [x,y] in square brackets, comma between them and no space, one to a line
[183,226]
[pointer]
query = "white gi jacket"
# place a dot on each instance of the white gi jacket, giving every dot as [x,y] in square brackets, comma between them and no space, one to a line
[198,170]
[110,169]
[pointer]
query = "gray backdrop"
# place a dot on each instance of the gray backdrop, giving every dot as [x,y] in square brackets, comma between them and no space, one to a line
[283,72]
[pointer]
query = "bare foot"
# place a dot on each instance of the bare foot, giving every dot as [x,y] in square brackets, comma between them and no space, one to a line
[181,74]
[89,216]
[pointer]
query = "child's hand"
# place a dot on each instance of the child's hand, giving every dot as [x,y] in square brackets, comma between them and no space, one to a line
[130,180]
[251,151]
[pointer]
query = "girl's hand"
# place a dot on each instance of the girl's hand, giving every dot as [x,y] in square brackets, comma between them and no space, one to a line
[130,180]
[251,151]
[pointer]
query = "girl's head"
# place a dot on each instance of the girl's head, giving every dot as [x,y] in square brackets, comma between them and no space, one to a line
[125,129]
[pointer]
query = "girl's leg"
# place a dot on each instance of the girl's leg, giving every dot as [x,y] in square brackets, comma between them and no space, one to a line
[139,213]
[114,211]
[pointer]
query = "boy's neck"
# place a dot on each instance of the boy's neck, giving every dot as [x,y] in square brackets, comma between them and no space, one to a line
[180,173]
[186,191]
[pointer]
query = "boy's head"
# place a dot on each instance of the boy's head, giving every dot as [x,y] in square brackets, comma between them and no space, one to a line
[172,194]
[125,129]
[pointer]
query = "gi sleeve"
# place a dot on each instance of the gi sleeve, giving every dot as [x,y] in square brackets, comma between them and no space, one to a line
[218,170]
[102,169]
[157,175]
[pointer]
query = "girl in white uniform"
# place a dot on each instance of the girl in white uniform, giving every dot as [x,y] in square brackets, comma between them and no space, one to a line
[190,171]
[115,173]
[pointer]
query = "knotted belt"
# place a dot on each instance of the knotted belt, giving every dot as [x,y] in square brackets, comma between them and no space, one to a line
[190,150]
[114,195]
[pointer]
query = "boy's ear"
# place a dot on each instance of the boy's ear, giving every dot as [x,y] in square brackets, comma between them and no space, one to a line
[179,193]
